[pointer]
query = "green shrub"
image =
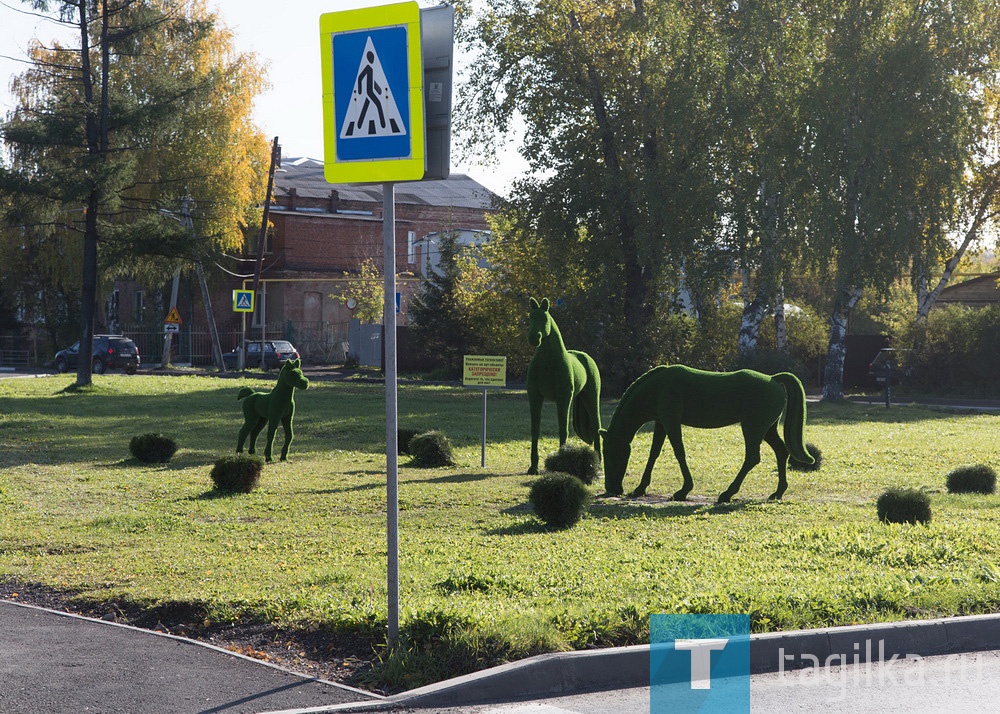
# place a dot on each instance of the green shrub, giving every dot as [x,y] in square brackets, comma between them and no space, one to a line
[904,505]
[403,438]
[152,448]
[431,449]
[813,451]
[238,474]
[575,459]
[559,499]
[972,479]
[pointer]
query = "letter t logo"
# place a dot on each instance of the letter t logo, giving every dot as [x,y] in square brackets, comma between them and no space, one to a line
[701,659]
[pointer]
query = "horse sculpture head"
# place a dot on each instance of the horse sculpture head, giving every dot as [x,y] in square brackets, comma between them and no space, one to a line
[616,451]
[539,321]
[291,375]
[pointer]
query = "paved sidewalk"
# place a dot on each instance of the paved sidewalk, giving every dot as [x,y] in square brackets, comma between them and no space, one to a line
[53,662]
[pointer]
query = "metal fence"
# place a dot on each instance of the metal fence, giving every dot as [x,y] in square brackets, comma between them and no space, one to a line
[317,342]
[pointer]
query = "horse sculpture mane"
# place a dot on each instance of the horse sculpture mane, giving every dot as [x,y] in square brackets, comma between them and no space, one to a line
[570,378]
[675,395]
[271,408]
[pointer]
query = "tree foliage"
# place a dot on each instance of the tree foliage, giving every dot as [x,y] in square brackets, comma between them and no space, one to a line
[439,313]
[689,143]
[150,104]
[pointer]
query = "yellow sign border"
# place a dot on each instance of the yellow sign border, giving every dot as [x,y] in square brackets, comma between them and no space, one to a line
[236,297]
[374,170]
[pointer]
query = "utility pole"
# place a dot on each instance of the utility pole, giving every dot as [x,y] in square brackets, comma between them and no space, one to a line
[206,297]
[261,239]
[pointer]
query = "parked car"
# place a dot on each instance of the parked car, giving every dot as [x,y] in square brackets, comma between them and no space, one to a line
[276,353]
[110,352]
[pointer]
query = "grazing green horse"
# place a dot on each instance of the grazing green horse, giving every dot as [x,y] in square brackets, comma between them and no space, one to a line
[271,408]
[570,378]
[677,395]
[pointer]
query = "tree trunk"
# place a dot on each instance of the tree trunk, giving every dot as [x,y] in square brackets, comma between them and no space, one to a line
[780,326]
[88,292]
[833,374]
[753,315]
[926,297]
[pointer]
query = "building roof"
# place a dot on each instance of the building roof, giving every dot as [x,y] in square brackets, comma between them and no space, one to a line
[305,175]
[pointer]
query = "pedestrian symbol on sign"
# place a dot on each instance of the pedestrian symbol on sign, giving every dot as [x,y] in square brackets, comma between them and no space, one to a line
[243,302]
[373,110]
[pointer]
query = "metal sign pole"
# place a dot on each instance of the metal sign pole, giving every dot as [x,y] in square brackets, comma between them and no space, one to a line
[391,418]
[483,460]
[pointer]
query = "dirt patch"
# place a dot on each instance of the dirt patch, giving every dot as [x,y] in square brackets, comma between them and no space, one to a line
[319,653]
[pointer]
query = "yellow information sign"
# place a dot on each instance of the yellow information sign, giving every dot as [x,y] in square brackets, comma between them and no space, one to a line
[484,371]
[373,94]
[173,317]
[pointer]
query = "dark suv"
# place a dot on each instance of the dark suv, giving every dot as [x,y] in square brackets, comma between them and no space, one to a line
[110,352]
[276,353]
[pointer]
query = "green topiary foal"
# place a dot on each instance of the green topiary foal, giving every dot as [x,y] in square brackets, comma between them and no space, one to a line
[570,378]
[271,408]
[677,395]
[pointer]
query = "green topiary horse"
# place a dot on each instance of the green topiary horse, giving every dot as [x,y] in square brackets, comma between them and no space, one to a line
[677,395]
[271,408]
[568,377]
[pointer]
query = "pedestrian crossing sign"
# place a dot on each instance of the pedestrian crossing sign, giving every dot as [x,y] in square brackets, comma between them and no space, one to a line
[373,112]
[243,301]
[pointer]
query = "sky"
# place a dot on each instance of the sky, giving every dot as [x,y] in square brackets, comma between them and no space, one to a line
[285,38]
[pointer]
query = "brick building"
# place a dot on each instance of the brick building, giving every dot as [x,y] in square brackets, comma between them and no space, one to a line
[320,232]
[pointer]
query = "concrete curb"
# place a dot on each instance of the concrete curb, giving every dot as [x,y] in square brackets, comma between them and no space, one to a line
[563,673]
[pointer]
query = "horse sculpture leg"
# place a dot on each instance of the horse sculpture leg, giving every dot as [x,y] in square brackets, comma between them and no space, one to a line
[781,454]
[286,425]
[674,433]
[659,434]
[753,438]
[563,406]
[535,400]
[244,433]
[255,432]
[272,427]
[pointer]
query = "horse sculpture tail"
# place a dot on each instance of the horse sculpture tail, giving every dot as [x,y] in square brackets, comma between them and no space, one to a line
[795,415]
[244,392]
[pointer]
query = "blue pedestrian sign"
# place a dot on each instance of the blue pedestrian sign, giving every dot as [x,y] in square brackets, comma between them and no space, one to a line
[243,301]
[373,94]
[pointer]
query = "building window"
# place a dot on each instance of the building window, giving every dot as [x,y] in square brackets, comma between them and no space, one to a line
[411,238]
[139,302]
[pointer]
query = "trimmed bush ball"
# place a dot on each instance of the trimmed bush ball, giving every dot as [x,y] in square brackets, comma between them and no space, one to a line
[904,505]
[403,438]
[239,473]
[972,479]
[431,449]
[813,451]
[559,499]
[575,459]
[152,448]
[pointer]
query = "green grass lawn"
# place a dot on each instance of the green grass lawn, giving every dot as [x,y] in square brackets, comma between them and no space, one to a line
[481,579]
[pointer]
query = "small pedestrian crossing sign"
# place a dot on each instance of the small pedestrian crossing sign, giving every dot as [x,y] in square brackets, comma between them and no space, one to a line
[243,301]
[373,112]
